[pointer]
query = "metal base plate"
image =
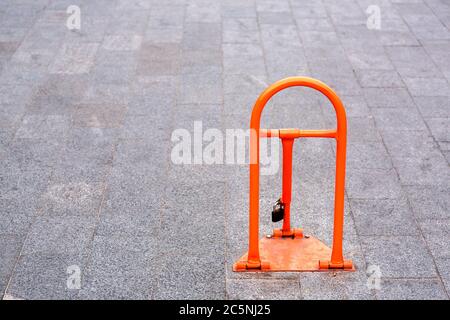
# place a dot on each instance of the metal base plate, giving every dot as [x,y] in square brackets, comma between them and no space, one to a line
[290,254]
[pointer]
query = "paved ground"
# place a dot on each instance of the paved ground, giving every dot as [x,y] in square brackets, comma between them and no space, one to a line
[88,188]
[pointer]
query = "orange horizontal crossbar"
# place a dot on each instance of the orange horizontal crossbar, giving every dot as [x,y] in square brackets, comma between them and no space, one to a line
[296,133]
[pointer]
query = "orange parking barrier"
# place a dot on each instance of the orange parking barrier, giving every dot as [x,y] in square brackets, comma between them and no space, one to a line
[287,249]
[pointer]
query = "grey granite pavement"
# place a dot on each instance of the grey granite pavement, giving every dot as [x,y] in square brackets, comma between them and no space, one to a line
[92,207]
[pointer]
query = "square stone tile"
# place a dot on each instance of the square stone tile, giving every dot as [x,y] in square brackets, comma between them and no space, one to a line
[310,9]
[379,78]
[57,94]
[433,107]
[417,289]
[99,115]
[319,38]
[107,93]
[388,98]
[335,286]
[66,198]
[159,59]
[169,34]
[399,256]
[368,155]
[196,275]
[120,267]
[314,24]
[437,235]
[383,217]
[398,119]
[11,246]
[428,86]
[238,10]
[43,127]
[439,52]
[74,58]
[427,170]
[412,61]
[240,30]
[200,13]
[285,36]
[275,18]
[41,276]
[440,128]
[252,65]
[397,38]
[409,144]
[373,184]
[130,42]
[427,27]
[263,289]
[371,58]
[60,235]
[201,88]
[443,267]
[167,16]
[429,202]
[201,36]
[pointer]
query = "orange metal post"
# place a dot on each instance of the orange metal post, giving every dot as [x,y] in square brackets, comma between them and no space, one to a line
[253,261]
[287,183]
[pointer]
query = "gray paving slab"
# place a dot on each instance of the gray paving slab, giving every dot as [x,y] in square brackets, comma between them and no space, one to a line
[388,98]
[383,217]
[379,79]
[11,247]
[428,201]
[399,256]
[42,276]
[440,128]
[196,275]
[368,155]
[263,289]
[59,235]
[436,233]
[158,59]
[74,59]
[373,184]
[412,290]
[398,119]
[409,144]
[428,87]
[442,265]
[120,267]
[43,127]
[427,170]
[335,286]
[412,61]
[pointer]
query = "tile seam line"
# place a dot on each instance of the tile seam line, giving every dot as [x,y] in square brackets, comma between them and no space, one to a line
[226,181]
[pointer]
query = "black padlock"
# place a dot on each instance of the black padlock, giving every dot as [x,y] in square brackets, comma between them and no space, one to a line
[278,211]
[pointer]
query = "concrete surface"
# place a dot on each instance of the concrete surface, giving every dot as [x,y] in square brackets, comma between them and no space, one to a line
[88,188]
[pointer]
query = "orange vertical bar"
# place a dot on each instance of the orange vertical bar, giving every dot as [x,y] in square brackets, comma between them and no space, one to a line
[341,144]
[253,250]
[287,182]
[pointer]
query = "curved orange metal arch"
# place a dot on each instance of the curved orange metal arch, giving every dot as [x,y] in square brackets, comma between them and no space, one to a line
[337,261]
